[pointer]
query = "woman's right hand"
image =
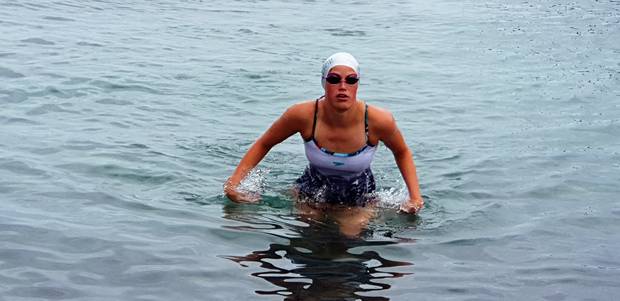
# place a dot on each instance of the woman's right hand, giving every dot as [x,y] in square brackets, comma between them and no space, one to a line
[237,196]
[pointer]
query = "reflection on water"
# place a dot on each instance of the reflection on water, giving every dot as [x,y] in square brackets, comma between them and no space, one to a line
[317,262]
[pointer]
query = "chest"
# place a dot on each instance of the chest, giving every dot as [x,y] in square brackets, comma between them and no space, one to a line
[340,139]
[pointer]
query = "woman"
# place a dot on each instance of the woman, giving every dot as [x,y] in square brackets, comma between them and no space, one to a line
[341,134]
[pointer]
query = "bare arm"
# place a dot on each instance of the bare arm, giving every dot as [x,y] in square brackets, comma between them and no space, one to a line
[393,139]
[285,126]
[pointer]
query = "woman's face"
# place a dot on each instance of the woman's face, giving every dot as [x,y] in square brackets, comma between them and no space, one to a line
[341,95]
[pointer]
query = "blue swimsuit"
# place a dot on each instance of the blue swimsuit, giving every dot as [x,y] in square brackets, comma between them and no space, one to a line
[338,178]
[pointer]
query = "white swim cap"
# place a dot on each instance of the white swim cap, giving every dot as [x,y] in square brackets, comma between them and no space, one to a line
[339,59]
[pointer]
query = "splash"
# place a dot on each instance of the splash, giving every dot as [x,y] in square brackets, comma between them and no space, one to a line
[389,198]
[254,183]
[392,197]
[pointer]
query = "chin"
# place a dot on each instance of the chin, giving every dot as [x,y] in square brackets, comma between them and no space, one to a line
[343,105]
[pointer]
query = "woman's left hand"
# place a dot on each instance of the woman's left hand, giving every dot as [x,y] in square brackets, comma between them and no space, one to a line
[412,206]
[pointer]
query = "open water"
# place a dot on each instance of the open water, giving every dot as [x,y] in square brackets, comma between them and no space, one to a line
[120,121]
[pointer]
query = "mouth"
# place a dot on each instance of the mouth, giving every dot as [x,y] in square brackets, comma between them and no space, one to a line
[342,96]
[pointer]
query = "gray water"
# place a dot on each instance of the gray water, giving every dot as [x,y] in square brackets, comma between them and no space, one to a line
[121,120]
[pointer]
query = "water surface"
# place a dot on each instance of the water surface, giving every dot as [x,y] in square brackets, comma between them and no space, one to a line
[121,120]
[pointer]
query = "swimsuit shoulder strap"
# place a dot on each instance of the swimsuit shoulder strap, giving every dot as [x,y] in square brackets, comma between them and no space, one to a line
[366,127]
[366,121]
[316,110]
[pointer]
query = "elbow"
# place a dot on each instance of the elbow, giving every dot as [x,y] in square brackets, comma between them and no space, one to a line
[263,144]
[405,152]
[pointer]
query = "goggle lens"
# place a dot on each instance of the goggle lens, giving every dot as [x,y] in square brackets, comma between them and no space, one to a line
[335,79]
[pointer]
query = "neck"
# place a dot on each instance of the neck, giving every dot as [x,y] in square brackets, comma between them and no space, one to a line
[341,117]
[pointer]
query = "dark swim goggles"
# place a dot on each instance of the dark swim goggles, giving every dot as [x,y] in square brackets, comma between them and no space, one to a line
[335,79]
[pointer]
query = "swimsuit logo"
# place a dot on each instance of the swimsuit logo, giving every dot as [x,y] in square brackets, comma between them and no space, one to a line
[337,163]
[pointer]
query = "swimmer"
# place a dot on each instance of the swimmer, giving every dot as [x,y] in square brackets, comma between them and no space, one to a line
[341,134]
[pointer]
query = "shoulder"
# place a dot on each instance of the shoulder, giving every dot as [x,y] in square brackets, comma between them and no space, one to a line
[379,115]
[301,108]
[300,111]
[381,121]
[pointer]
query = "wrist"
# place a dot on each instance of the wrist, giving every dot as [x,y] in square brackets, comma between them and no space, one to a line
[230,185]
[415,197]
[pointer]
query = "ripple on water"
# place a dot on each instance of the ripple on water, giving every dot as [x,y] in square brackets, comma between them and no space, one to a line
[85,145]
[38,41]
[122,125]
[222,150]
[21,168]
[85,260]
[59,292]
[247,31]
[74,80]
[8,73]
[19,120]
[89,44]
[55,92]
[184,76]
[55,18]
[345,33]
[100,199]
[49,108]
[115,87]
[70,249]
[114,171]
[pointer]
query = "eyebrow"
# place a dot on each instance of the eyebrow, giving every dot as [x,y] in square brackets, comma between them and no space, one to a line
[334,73]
